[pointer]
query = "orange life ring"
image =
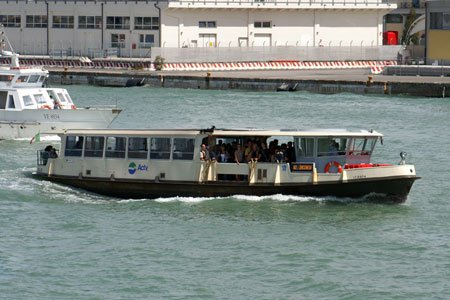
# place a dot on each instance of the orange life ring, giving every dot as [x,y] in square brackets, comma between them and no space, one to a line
[73,107]
[46,107]
[327,167]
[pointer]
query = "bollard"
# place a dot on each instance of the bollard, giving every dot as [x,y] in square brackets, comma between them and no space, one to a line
[369,81]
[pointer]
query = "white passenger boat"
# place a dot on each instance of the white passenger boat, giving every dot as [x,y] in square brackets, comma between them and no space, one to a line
[27,107]
[167,163]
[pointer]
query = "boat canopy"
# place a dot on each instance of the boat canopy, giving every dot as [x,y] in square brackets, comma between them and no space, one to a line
[223,132]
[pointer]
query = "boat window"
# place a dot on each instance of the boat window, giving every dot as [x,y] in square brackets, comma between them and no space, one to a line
[61,97]
[160,148]
[42,78]
[6,78]
[3,97]
[68,98]
[115,147]
[331,146]
[137,147]
[305,147]
[362,146]
[94,146]
[22,79]
[39,98]
[11,103]
[33,78]
[183,149]
[74,145]
[27,100]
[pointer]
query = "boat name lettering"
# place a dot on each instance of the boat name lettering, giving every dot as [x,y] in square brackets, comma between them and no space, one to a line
[51,116]
[359,177]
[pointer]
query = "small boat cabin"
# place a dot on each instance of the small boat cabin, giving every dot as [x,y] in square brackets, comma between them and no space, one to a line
[22,88]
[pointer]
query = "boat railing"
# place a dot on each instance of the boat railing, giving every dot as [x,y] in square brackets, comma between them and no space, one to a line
[99,107]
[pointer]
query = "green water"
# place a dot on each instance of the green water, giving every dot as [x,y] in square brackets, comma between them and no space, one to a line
[62,243]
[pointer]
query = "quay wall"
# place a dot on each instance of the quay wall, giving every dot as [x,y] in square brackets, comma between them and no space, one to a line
[386,87]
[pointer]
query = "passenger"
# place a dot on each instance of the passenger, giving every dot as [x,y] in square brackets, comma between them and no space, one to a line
[280,156]
[45,155]
[204,153]
[265,153]
[223,157]
[255,155]
[332,150]
[53,153]
[248,151]
[239,154]
[290,152]
[56,105]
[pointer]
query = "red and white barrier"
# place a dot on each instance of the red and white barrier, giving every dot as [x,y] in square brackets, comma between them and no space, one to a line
[376,67]
[377,70]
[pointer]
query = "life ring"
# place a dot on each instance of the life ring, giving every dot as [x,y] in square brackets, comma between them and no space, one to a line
[46,107]
[73,106]
[327,167]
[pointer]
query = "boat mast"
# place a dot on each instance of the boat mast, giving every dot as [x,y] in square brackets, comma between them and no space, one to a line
[3,40]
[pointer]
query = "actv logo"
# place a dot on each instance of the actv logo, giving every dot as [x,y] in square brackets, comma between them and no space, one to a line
[132,168]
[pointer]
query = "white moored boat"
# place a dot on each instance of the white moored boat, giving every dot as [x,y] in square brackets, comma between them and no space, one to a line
[27,108]
[166,163]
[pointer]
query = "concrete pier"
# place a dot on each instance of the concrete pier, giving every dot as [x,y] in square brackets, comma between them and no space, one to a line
[319,81]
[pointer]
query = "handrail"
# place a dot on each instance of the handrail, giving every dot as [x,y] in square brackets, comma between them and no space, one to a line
[298,2]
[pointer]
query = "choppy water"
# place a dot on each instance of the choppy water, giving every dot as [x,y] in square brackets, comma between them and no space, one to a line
[61,243]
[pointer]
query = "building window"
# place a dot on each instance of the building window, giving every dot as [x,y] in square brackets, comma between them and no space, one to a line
[117,40]
[36,21]
[89,22]
[10,21]
[263,24]
[118,22]
[439,20]
[146,23]
[63,22]
[394,19]
[446,21]
[146,40]
[207,24]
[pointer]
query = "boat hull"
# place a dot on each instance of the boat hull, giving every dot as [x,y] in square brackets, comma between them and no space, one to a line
[392,189]
[27,123]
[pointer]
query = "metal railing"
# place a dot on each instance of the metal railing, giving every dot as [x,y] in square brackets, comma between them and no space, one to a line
[298,2]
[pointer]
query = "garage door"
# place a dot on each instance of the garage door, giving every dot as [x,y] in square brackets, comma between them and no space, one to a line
[262,40]
[207,40]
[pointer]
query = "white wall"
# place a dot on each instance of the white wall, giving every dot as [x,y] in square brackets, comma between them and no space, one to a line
[289,27]
[34,40]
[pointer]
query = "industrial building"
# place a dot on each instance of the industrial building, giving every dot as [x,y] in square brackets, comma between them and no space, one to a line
[132,28]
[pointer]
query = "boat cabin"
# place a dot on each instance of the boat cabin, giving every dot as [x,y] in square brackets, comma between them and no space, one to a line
[175,155]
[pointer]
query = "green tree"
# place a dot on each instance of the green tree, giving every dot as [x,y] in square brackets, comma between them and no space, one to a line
[410,18]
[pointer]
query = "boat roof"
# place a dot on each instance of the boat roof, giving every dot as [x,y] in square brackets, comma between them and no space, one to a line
[222,132]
